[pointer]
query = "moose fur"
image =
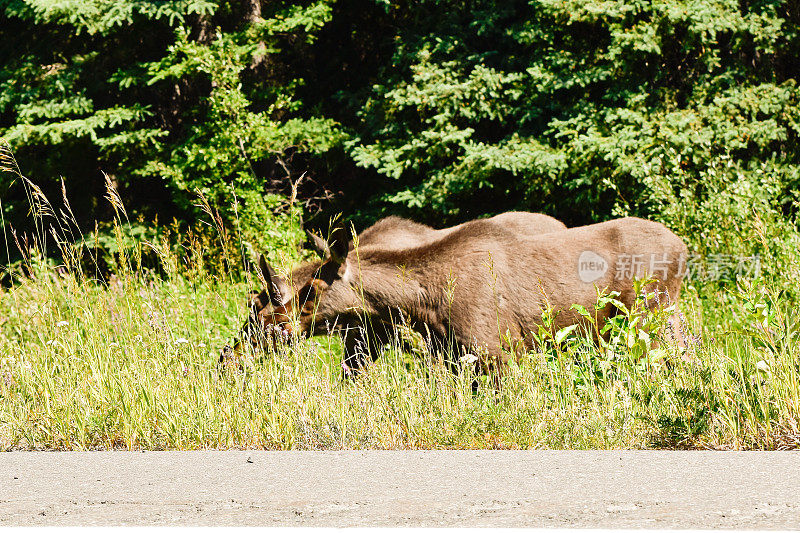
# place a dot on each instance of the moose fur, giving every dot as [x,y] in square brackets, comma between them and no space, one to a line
[272,308]
[479,286]
[398,233]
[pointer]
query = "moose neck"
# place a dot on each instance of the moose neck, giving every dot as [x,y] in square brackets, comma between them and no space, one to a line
[385,281]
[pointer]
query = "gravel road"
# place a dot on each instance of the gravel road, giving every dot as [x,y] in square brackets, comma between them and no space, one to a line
[605,489]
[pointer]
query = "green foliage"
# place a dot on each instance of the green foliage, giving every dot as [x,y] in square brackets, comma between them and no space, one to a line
[178,100]
[686,112]
[217,157]
[132,363]
[604,349]
[102,16]
[210,114]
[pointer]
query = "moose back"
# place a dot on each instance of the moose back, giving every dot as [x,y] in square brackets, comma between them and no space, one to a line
[481,286]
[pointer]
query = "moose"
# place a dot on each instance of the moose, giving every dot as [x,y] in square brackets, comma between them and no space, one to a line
[479,287]
[270,318]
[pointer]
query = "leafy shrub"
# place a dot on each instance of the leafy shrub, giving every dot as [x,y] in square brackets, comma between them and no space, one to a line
[173,100]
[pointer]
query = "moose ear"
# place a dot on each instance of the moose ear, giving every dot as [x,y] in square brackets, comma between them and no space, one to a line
[339,244]
[335,248]
[277,287]
[320,245]
[257,300]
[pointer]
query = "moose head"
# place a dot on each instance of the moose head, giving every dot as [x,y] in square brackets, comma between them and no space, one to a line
[285,310]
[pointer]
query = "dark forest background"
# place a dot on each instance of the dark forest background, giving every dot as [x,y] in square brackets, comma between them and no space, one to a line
[276,115]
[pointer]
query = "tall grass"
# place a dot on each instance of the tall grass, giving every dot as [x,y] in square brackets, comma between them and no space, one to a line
[131,362]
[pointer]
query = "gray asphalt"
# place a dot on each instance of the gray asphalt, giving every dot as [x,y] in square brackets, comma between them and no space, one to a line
[606,489]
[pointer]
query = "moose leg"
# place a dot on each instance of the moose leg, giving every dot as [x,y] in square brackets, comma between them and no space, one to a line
[356,351]
[362,345]
[485,356]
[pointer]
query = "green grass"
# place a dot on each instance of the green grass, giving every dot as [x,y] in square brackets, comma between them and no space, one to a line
[132,364]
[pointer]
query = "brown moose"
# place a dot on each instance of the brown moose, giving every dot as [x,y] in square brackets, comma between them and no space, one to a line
[480,286]
[270,319]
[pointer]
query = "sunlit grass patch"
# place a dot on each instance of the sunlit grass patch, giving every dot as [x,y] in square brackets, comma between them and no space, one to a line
[131,361]
[133,364]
